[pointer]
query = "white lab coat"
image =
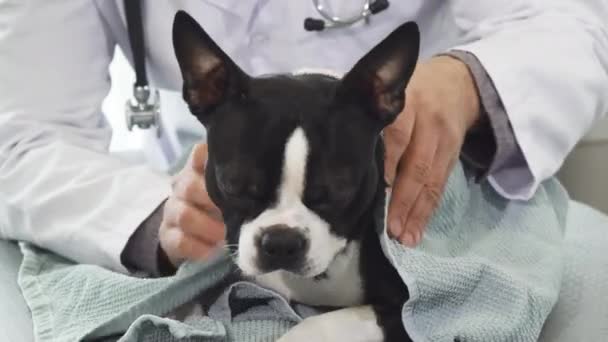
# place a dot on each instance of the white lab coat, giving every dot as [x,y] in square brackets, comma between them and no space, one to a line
[60,189]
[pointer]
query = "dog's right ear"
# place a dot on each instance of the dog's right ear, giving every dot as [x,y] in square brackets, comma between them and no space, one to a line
[210,76]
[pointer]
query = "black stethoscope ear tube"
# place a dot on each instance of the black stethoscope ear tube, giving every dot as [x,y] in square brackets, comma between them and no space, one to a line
[378,6]
[312,24]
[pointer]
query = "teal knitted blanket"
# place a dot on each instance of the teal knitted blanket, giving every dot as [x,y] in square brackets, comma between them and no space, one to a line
[487,270]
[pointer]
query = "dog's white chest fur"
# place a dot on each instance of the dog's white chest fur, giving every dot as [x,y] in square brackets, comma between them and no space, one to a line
[341,287]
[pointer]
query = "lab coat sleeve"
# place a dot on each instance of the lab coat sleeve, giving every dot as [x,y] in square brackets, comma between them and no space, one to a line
[549,63]
[59,187]
[490,144]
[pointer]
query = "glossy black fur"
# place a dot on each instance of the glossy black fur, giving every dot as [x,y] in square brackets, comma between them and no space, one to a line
[384,288]
[249,120]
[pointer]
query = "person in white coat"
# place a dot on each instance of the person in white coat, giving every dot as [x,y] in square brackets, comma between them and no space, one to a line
[509,85]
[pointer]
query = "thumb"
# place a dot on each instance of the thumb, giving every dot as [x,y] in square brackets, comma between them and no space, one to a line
[198,158]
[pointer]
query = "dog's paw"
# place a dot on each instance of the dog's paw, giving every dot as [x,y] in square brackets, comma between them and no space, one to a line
[308,330]
[350,324]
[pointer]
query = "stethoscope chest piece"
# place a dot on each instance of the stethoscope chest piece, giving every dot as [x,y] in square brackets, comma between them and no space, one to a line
[143,110]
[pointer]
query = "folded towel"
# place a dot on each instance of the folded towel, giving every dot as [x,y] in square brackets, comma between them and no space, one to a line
[487,269]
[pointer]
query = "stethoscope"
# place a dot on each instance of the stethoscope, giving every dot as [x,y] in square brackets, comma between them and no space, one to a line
[330,20]
[143,110]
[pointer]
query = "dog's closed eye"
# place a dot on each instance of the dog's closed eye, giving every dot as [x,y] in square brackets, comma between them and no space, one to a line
[316,196]
[239,188]
[242,190]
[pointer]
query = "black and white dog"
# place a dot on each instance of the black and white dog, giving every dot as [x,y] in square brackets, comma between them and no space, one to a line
[296,167]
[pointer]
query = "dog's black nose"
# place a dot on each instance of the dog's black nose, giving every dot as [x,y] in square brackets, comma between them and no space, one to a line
[282,247]
[283,242]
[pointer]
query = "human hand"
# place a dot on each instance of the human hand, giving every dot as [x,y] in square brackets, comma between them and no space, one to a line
[192,225]
[424,142]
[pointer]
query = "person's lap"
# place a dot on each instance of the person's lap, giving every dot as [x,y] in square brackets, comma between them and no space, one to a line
[580,314]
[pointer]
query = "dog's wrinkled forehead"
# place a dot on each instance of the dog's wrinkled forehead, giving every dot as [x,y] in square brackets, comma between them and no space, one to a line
[258,127]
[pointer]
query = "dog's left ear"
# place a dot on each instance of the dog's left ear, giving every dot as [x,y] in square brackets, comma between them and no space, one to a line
[380,77]
[210,76]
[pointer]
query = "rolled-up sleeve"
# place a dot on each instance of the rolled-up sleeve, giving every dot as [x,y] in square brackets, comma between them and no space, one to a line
[490,146]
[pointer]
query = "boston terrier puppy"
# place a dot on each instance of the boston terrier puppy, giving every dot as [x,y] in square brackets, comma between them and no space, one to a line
[296,167]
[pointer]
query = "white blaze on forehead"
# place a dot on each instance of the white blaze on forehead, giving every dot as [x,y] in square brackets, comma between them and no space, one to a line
[294,168]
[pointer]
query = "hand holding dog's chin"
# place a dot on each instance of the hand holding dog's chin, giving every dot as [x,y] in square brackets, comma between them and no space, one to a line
[424,142]
[192,226]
